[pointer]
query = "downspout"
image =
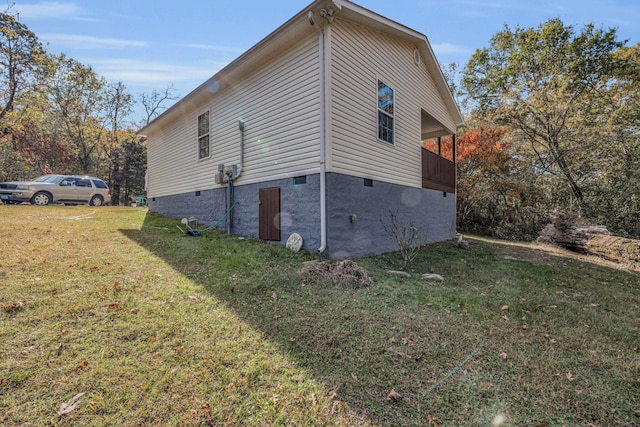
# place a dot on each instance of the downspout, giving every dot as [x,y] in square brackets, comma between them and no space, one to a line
[229,204]
[231,192]
[323,143]
[242,126]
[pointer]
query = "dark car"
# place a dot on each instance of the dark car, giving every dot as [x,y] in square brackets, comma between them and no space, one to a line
[67,189]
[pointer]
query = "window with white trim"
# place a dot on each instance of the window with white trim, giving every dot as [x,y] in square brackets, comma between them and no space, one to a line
[386,111]
[203,135]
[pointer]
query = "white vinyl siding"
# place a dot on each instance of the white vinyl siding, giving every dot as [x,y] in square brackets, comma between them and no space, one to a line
[361,57]
[280,103]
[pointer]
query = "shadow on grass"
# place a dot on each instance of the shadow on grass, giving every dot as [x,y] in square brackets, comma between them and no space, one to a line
[399,334]
[361,343]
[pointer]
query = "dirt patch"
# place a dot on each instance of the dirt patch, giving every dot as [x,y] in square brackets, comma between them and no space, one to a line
[345,273]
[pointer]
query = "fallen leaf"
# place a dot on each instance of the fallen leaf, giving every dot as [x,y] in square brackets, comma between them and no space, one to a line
[13,307]
[570,376]
[274,295]
[394,396]
[355,377]
[525,327]
[505,317]
[114,304]
[117,286]
[70,405]
[82,365]
[408,341]
[584,324]
[504,307]
[503,355]
[392,340]
[432,421]
[193,297]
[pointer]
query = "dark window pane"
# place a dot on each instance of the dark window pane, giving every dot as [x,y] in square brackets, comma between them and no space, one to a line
[99,184]
[203,124]
[385,127]
[203,147]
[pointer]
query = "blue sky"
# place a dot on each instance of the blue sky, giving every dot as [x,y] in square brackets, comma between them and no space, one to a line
[150,44]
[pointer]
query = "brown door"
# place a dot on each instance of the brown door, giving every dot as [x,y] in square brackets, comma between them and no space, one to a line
[269,214]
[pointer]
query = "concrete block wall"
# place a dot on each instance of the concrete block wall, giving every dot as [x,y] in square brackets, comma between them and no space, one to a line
[434,212]
[354,218]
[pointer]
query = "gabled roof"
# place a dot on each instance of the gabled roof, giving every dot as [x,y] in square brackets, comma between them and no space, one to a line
[291,31]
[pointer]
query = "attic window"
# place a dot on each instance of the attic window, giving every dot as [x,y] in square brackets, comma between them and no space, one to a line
[203,135]
[385,113]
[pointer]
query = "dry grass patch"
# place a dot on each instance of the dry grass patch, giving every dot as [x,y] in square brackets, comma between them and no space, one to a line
[346,273]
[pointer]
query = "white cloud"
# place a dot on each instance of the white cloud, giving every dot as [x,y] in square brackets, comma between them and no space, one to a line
[448,49]
[211,47]
[135,72]
[51,10]
[89,42]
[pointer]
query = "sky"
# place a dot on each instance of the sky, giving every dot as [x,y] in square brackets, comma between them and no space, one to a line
[151,44]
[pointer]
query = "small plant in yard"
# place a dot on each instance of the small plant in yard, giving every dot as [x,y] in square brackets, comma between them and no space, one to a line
[407,237]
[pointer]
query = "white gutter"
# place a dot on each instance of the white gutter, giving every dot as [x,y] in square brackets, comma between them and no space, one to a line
[323,142]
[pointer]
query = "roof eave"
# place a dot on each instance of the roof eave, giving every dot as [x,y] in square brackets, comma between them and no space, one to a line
[292,29]
[261,52]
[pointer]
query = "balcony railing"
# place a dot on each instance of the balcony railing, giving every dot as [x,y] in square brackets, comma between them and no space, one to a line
[438,173]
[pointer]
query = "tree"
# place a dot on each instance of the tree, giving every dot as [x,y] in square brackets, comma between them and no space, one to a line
[153,103]
[119,106]
[22,60]
[131,158]
[540,83]
[78,99]
[615,188]
[496,192]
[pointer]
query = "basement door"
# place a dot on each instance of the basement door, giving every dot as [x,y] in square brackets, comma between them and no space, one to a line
[269,214]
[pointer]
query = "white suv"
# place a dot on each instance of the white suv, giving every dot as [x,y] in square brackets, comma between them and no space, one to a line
[67,189]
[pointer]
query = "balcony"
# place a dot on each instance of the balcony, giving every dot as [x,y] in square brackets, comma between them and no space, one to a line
[438,173]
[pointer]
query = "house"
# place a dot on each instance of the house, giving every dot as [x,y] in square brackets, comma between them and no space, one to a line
[316,130]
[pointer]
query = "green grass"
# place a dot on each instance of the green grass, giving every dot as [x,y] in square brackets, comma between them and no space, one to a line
[157,328]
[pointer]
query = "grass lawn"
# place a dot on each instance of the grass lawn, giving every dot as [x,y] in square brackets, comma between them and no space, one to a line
[157,328]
